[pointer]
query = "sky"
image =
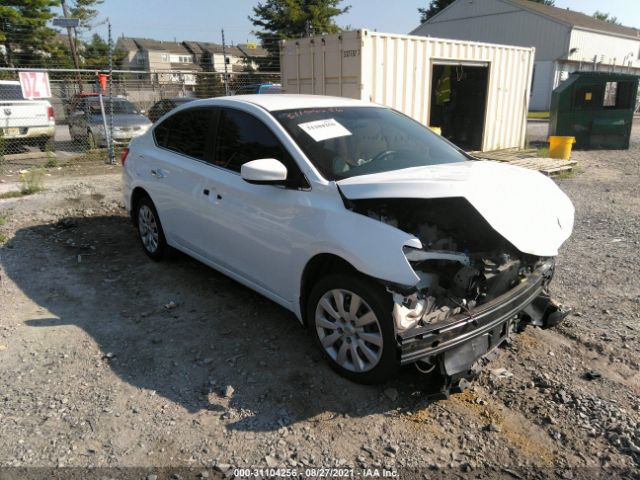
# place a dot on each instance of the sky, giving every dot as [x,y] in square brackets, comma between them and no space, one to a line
[202,20]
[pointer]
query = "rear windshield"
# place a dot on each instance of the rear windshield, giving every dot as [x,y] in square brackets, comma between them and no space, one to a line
[120,107]
[10,92]
[350,141]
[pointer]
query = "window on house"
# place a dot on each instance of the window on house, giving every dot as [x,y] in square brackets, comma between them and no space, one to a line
[164,57]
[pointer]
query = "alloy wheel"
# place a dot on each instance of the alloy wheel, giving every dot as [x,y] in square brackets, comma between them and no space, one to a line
[148,229]
[348,330]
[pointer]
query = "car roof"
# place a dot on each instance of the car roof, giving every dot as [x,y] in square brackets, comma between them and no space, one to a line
[287,101]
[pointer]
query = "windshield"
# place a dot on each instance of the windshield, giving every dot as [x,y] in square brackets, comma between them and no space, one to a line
[350,141]
[120,107]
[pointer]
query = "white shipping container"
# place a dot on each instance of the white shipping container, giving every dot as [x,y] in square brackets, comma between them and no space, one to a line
[489,84]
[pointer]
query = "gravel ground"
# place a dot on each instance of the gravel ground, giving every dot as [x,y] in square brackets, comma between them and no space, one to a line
[110,360]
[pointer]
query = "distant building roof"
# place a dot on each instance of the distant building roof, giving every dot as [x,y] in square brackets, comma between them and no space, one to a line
[576,19]
[170,47]
[126,43]
[249,51]
[217,48]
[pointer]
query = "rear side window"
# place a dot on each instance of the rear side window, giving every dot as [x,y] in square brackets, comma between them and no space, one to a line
[10,91]
[242,138]
[186,132]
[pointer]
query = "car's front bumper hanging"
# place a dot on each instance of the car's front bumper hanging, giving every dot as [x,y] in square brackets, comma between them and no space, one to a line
[464,338]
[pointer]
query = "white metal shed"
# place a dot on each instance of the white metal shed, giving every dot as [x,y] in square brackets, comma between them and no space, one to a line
[489,84]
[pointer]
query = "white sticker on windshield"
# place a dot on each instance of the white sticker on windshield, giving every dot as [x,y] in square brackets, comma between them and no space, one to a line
[324,129]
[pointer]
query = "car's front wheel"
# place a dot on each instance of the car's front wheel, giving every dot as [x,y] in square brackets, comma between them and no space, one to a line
[350,318]
[150,230]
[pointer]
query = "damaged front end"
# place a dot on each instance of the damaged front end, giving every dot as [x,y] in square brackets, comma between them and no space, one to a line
[475,287]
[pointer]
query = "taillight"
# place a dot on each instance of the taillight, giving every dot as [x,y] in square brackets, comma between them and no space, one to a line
[50,114]
[123,155]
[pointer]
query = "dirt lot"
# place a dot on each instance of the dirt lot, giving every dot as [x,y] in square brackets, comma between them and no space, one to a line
[108,359]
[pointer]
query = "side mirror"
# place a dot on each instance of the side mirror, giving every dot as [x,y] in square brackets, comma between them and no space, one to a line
[264,171]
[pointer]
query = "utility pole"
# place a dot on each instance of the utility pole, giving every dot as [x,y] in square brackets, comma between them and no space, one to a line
[112,157]
[224,56]
[72,44]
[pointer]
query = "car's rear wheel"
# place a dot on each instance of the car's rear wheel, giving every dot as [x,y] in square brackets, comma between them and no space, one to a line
[350,319]
[150,230]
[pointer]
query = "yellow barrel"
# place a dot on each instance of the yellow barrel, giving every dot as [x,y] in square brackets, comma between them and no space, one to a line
[560,147]
[437,130]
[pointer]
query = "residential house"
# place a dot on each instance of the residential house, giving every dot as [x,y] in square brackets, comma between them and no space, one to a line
[169,62]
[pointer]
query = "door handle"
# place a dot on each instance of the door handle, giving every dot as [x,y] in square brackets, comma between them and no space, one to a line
[157,173]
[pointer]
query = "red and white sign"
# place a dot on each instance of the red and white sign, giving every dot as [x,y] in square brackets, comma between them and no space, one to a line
[35,85]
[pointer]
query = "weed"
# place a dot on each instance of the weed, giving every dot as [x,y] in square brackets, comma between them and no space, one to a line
[12,194]
[2,148]
[3,221]
[543,152]
[3,238]
[31,181]
[51,158]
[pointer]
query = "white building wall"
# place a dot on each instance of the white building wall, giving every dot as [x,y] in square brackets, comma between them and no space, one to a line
[609,49]
[543,80]
[498,21]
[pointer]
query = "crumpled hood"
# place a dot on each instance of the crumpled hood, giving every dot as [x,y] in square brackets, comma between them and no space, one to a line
[524,206]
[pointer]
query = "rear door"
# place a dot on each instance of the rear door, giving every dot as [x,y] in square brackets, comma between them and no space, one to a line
[175,175]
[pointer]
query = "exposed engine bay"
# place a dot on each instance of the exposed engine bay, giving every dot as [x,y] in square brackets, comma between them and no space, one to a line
[463,263]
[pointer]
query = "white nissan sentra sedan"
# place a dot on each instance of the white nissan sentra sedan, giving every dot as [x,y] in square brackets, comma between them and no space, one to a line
[392,245]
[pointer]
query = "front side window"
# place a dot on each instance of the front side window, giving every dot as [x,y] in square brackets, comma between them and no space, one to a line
[345,142]
[186,132]
[242,138]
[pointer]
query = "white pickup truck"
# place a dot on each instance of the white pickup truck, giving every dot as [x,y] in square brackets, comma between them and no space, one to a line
[24,122]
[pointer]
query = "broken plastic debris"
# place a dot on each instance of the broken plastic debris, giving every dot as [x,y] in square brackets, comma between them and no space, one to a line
[171,305]
[501,373]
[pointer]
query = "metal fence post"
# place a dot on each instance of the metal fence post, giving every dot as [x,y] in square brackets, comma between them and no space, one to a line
[112,157]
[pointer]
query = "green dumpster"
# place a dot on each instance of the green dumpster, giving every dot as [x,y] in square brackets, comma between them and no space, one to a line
[596,108]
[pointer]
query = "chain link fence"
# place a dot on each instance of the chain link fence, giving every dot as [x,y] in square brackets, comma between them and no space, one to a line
[79,118]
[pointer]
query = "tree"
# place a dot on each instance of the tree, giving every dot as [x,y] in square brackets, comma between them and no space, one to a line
[280,19]
[606,17]
[435,6]
[24,31]
[85,11]
[95,53]
[208,84]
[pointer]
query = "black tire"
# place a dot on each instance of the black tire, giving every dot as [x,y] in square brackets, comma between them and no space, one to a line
[380,303]
[46,144]
[144,207]
[90,142]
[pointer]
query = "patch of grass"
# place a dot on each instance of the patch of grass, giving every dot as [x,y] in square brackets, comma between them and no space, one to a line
[12,194]
[3,238]
[51,163]
[543,152]
[538,115]
[3,221]
[31,183]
